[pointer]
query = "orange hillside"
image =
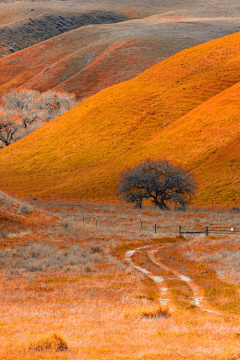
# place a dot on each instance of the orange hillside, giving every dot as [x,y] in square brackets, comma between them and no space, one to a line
[185,108]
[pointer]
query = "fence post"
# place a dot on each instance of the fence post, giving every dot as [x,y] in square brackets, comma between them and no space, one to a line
[180,231]
[155,228]
[141,224]
[207,231]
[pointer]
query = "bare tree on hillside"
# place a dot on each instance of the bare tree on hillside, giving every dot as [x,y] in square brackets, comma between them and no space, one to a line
[19,99]
[9,130]
[158,181]
[26,110]
[54,104]
[31,105]
[22,104]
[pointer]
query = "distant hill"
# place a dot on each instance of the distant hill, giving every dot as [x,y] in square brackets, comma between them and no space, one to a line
[17,10]
[91,58]
[27,33]
[185,109]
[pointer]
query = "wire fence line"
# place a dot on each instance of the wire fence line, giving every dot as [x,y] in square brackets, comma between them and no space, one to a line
[211,230]
[153,227]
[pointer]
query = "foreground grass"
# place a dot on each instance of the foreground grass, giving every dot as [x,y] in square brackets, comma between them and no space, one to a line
[99,306]
[101,317]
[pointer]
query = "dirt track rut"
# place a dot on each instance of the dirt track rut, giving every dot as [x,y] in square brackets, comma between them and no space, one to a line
[150,252]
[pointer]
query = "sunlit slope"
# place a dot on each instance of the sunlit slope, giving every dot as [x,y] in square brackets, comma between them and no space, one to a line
[91,58]
[206,141]
[171,111]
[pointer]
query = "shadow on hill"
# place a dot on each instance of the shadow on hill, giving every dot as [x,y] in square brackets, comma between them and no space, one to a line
[45,27]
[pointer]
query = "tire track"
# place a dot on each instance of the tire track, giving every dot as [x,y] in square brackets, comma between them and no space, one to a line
[164,298]
[197,298]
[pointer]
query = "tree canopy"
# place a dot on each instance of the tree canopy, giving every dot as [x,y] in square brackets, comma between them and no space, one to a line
[158,181]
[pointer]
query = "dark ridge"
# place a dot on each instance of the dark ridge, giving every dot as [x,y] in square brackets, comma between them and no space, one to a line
[43,28]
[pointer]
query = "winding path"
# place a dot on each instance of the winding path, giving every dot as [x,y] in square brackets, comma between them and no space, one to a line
[197,298]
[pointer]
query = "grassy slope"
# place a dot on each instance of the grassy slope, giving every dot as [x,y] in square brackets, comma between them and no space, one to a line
[17,217]
[148,116]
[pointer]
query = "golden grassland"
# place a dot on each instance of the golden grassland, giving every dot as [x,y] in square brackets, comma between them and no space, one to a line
[99,307]
[184,109]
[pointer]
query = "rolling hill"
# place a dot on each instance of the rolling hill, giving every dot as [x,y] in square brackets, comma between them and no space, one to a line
[26,22]
[25,34]
[91,58]
[12,11]
[185,109]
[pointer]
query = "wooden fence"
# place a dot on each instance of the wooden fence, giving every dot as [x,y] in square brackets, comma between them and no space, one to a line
[211,230]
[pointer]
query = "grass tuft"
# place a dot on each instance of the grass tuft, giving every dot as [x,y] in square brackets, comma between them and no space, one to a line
[156,314]
[51,342]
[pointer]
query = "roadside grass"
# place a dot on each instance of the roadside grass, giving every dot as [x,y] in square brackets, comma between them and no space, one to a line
[38,257]
[222,295]
[222,255]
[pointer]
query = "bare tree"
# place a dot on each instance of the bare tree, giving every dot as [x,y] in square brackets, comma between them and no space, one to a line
[23,104]
[20,99]
[158,181]
[31,105]
[52,104]
[8,130]
[26,110]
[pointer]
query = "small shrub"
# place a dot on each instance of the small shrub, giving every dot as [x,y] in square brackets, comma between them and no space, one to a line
[96,249]
[156,314]
[50,343]
[3,234]
[24,209]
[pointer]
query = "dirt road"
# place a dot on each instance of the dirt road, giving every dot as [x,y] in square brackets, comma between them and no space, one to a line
[151,266]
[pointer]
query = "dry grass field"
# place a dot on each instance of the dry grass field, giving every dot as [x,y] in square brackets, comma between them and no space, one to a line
[68,290]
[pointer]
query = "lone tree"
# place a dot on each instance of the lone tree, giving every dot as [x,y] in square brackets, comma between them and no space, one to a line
[158,181]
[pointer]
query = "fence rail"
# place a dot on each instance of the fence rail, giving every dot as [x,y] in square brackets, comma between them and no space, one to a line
[211,230]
